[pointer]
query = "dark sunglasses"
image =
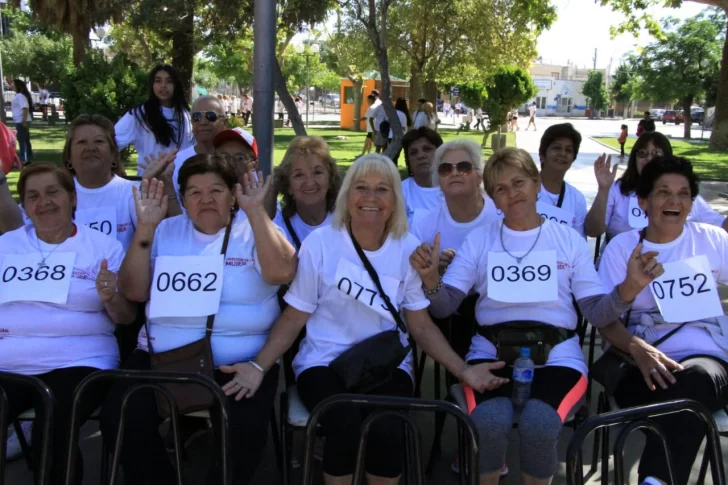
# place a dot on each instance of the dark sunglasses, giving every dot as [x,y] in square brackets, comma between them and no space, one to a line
[210,115]
[462,167]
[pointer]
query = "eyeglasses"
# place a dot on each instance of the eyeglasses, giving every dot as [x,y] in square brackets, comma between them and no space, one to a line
[237,159]
[446,168]
[644,153]
[210,115]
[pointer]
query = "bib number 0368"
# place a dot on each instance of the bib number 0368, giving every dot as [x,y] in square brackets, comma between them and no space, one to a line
[515,273]
[39,274]
[180,281]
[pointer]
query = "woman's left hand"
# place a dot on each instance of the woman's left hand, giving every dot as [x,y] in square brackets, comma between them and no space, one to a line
[106,282]
[251,193]
[244,383]
[446,257]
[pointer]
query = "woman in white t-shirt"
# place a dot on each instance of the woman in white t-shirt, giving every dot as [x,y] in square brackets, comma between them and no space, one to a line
[308,180]
[22,108]
[370,216]
[527,271]
[695,259]
[58,306]
[162,123]
[426,117]
[239,288]
[419,192]
[616,208]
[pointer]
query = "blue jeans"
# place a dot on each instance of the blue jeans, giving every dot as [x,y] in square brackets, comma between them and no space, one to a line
[25,149]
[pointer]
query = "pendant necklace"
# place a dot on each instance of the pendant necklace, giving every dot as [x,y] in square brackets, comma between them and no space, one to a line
[519,259]
[42,263]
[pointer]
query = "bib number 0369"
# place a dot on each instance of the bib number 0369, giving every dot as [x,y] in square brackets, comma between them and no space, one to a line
[532,280]
[515,273]
[180,281]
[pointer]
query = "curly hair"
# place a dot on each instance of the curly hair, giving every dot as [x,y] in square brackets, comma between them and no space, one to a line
[659,166]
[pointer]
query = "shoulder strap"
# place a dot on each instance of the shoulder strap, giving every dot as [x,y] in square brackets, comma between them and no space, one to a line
[629,312]
[561,195]
[375,278]
[293,234]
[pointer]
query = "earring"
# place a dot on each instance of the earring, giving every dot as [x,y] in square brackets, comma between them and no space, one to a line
[113,164]
[69,167]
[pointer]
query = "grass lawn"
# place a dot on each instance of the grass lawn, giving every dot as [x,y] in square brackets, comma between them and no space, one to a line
[709,164]
[48,146]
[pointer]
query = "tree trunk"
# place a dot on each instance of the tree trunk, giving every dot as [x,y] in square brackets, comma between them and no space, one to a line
[358,94]
[719,136]
[291,109]
[417,87]
[431,93]
[686,104]
[183,49]
[81,44]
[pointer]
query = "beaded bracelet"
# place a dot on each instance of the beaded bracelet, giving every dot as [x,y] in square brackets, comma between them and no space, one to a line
[433,291]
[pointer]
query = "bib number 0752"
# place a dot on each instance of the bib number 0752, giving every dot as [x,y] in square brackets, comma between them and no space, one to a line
[666,288]
[181,281]
[516,273]
[39,274]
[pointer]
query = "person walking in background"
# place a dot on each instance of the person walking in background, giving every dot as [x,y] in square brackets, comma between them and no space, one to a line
[22,108]
[622,139]
[43,98]
[247,108]
[369,118]
[646,125]
[532,118]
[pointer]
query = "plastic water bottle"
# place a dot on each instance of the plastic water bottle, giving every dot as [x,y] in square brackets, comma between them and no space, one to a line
[522,378]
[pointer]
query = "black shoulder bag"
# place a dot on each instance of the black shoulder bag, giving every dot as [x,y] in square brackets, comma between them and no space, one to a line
[371,363]
[284,288]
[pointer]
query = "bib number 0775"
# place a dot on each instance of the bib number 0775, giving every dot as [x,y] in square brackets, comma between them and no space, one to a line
[181,281]
[516,273]
[350,288]
[665,289]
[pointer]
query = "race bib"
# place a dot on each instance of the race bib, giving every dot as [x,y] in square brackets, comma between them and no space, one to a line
[102,219]
[354,282]
[186,286]
[24,278]
[686,292]
[555,214]
[532,280]
[637,217]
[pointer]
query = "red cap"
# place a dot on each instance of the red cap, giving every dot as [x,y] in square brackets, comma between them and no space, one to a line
[236,134]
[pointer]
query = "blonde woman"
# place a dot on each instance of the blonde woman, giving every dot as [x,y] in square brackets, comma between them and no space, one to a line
[369,223]
[427,117]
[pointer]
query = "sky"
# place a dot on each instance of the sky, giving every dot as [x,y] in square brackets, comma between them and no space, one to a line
[583,25]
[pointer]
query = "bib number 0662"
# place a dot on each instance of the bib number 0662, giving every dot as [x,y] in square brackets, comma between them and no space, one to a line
[181,281]
[516,273]
[40,274]
[666,288]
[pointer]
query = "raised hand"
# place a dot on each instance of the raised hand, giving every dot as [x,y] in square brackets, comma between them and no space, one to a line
[156,165]
[426,261]
[604,172]
[446,257]
[150,202]
[106,282]
[480,378]
[642,269]
[244,383]
[251,193]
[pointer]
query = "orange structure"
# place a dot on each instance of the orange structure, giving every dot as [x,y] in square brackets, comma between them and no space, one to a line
[400,89]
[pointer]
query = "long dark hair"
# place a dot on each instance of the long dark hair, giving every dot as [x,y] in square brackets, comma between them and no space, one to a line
[401,105]
[150,113]
[628,181]
[22,88]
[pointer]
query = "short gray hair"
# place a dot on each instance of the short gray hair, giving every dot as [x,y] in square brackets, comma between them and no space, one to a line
[470,147]
[397,225]
[208,97]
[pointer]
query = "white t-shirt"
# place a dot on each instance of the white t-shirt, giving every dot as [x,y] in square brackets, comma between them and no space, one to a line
[19,103]
[130,131]
[427,224]
[301,229]
[180,160]
[248,104]
[402,121]
[379,113]
[114,200]
[421,119]
[370,114]
[532,110]
[618,207]
[43,96]
[574,202]
[248,305]
[38,337]
[419,198]
[696,239]
[327,262]
[576,276]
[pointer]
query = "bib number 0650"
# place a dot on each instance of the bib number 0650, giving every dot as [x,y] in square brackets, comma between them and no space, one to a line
[40,274]
[181,281]
[516,273]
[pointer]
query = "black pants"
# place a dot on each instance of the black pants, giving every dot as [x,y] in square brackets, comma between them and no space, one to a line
[704,379]
[143,455]
[621,147]
[62,382]
[342,424]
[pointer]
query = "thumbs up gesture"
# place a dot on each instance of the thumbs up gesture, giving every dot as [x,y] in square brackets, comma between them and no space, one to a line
[106,282]
[426,261]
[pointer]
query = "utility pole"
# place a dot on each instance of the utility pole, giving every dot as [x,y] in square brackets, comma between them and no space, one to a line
[595,58]
[264,59]
[3,114]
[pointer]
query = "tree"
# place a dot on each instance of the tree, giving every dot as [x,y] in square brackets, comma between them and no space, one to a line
[676,66]
[595,91]
[636,17]
[621,90]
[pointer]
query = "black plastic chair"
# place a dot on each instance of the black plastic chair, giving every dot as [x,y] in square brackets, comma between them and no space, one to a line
[640,418]
[400,407]
[152,380]
[42,471]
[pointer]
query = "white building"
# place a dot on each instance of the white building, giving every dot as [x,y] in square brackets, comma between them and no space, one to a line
[558,97]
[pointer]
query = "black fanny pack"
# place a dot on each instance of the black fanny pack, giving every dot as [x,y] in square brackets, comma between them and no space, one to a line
[509,337]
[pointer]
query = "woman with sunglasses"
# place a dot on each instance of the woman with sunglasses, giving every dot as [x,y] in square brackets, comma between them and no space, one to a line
[616,208]
[162,123]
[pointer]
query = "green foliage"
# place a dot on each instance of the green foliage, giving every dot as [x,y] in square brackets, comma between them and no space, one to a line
[594,89]
[104,87]
[232,61]
[205,74]
[473,93]
[36,56]
[621,89]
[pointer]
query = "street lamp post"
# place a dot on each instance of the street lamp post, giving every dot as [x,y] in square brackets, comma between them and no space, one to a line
[313,51]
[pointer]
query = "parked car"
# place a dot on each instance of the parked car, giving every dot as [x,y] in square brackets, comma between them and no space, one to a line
[656,114]
[671,116]
[440,104]
[697,115]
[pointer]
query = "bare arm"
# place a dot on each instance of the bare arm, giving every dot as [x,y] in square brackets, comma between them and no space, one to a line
[10,218]
[120,310]
[282,336]
[595,223]
[135,274]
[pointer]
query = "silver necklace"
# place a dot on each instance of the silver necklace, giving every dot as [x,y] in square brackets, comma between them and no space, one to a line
[42,263]
[518,260]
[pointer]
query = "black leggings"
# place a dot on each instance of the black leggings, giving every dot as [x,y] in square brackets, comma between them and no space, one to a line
[143,455]
[342,424]
[62,382]
[704,379]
